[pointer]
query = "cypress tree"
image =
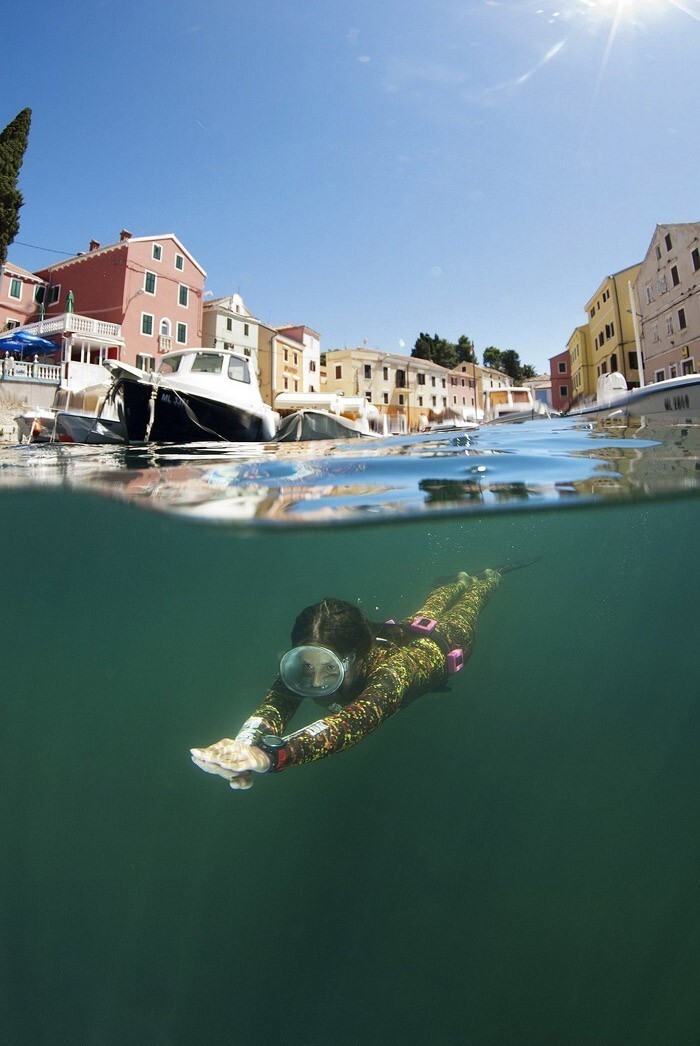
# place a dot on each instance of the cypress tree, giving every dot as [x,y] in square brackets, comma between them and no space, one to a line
[13,142]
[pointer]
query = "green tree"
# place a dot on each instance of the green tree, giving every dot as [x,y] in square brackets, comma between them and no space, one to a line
[436,349]
[528,371]
[13,143]
[510,364]
[465,350]
[492,357]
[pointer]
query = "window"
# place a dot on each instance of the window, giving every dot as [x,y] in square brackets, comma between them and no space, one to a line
[592,312]
[368,370]
[238,370]
[338,372]
[286,358]
[401,401]
[171,365]
[207,363]
[54,294]
[181,333]
[655,332]
[296,385]
[229,323]
[16,289]
[39,294]
[11,324]
[660,375]
[368,397]
[149,283]
[649,294]
[632,360]
[681,320]
[443,383]
[147,324]
[688,367]
[246,330]
[157,255]
[658,252]
[433,400]
[562,367]
[564,391]
[385,397]
[675,278]
[695,258]
[669,324]
[432,381]
[179,262]
[385,373]
[667,241]
[453,381]
[286,383]
[296,358]
[673,371]
[183,295]
[420,379]
[604,367]
[312,366]
[420,401]
[661,283]
[144,361]
[613,361]
[401,381]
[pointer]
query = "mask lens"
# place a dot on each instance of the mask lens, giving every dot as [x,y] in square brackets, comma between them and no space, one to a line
[312,671]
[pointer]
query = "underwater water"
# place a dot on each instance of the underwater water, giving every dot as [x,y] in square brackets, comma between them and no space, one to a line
[513,861]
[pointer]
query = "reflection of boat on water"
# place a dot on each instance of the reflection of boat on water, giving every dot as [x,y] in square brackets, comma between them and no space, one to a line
[515,403]
[196,395]
[674,397]
[85,415]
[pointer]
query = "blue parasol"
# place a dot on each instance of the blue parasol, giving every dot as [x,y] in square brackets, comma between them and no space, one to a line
[19,340]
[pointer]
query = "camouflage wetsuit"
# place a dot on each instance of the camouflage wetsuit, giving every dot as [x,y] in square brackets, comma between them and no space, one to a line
[394,674]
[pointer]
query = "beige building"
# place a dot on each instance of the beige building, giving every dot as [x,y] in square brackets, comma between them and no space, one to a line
[280,363]
[411,391]
[467,384]
[583,375]
[668,302]
[228,324]
[612,345]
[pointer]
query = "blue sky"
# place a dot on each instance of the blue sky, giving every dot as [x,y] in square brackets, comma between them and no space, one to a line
[370,169]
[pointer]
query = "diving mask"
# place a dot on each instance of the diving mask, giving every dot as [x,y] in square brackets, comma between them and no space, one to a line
[314,671]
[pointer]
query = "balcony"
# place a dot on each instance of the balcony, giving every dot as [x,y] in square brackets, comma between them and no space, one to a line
[72,323]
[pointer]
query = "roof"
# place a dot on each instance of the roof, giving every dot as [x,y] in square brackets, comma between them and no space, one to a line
[9,267]
[121,244]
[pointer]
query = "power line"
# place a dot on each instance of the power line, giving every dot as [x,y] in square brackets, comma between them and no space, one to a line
[49,250]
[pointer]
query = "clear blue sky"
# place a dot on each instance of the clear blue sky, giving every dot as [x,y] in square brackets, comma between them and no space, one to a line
[370,169]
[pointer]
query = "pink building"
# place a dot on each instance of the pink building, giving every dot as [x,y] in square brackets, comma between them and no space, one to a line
[150,286]
[560,375]
[18,296]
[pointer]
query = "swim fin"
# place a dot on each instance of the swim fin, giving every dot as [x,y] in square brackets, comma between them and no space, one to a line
[506,568]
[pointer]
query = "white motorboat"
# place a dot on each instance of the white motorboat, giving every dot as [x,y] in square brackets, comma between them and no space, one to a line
[675,397]
[195,395]
[515,403]
[85,415]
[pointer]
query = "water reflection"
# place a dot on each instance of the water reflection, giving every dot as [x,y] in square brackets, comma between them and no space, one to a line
[541,463]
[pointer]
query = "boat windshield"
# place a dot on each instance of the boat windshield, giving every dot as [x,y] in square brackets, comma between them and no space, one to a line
[169,366]
[207,363]
[238,370]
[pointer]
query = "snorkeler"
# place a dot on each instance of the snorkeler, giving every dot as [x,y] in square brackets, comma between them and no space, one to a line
[359,672]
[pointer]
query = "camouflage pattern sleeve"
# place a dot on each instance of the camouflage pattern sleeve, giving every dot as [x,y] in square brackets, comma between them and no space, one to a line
[272,716]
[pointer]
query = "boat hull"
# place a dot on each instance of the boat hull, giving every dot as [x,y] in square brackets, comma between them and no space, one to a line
[675,397]
[179,417]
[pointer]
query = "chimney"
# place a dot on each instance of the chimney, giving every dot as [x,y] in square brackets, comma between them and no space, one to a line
[125,235]
[94,245]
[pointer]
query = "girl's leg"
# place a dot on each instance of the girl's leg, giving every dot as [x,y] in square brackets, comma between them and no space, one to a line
[442,599]
[458,626]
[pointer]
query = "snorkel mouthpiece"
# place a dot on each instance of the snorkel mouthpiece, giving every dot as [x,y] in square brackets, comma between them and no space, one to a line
[313,671]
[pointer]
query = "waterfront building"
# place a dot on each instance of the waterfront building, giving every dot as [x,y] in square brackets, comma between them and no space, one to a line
[149,286]
[311,356]
[18,296]
[541,386]
[467,384]
[668,302]
[612,344]
[280,362]
[583,376]
[228,324]
[413,392]
[560,381]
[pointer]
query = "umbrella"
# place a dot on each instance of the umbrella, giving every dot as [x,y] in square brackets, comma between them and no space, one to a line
[70,302]
[18,340]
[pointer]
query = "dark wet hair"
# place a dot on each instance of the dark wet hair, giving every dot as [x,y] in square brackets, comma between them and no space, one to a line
[337,624]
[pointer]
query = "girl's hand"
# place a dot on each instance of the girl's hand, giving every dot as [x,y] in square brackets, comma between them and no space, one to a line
[232,760]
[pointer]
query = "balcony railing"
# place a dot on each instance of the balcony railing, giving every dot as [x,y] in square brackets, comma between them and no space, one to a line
[24,370]
[72,323]
[165,343]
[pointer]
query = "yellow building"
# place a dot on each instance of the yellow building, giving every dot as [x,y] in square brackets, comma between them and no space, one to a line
[411,391]
[280,363]
[612,345]
[583,375]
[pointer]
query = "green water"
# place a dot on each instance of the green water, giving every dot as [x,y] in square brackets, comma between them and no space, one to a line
[512,862]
